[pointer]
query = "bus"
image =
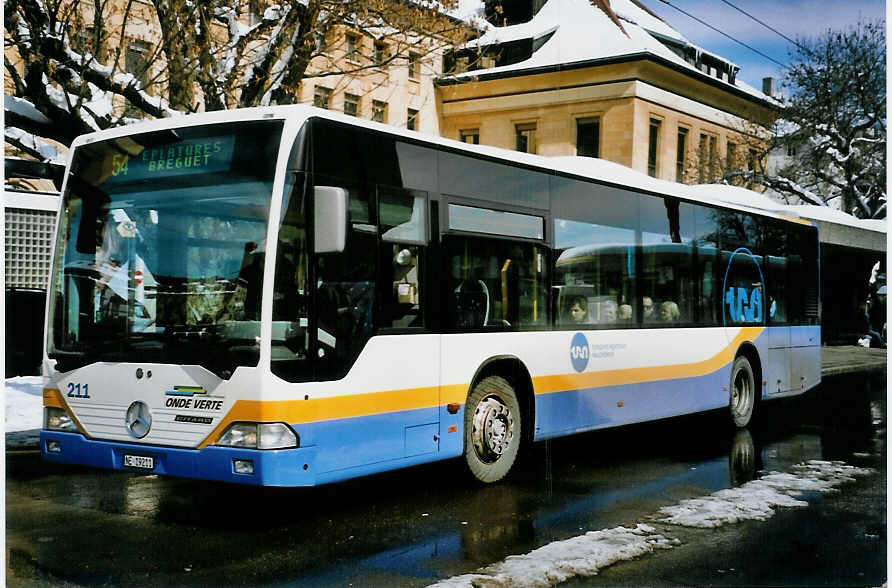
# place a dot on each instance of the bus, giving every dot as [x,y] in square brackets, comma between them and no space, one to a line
[287,296]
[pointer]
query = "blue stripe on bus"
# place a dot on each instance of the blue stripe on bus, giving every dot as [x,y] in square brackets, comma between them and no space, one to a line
[575,411]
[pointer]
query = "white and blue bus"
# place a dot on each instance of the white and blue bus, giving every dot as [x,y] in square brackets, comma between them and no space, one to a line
[286,296]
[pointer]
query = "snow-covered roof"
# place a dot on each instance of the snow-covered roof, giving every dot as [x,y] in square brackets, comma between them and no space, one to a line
[583,33]
[634,12]
[832,215]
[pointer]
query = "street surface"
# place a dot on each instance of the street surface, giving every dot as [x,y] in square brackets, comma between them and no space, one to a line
[73,526]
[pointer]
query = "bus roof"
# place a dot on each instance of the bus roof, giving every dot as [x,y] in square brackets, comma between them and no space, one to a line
[586,167]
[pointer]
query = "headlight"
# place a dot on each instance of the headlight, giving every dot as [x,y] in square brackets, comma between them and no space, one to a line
[57,419]
[259,436]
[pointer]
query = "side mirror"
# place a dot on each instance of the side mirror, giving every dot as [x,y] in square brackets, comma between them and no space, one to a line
[330,219]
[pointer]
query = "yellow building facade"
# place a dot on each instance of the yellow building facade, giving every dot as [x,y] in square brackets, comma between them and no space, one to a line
[389,81]
[699,127]
[645,110]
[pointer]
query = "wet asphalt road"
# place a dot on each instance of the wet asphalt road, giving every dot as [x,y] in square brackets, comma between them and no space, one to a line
[76,526]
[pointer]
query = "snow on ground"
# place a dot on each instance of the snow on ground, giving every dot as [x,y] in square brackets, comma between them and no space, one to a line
[561,560]
[585,555]
[24,411]
[756,500]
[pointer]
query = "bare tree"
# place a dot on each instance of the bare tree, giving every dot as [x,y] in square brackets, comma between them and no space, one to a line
[67,60]
[831,130]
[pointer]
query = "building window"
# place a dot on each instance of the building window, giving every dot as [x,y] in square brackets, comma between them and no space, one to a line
[525,137]
[681,152]
[351,47]
[588,134]
[82,41]
[713,160]
[379,111]
[351,104]
[414,66]
[701,158]
[321,97]
[731,157]
[652,147]
[136,61]
[319,39]
[254,15]
[412,120]
[380,52]
[469,136]
[791,151]
[751,161]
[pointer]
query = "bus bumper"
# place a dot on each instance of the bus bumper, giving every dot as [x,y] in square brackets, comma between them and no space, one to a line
[280,467]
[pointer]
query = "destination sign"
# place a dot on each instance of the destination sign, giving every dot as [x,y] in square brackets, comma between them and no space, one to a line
[186,157]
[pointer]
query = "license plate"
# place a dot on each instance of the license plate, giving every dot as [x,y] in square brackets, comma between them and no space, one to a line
[139,461]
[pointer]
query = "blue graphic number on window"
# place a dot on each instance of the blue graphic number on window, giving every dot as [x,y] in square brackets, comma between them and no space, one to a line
[744,306]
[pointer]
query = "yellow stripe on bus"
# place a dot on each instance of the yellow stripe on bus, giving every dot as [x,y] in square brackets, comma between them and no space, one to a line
[372,403]
[564,382]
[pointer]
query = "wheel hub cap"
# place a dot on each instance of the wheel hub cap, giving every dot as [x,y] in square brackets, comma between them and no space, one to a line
[493,429]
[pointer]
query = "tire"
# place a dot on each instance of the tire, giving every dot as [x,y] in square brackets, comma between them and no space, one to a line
[493,428]
[742,393]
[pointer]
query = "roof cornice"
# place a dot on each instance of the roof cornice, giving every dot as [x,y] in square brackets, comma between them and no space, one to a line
[483,76]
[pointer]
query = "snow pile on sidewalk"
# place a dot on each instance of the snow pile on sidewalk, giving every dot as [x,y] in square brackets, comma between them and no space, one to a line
[587,554]
[24,411]
[756,500]
[561,560]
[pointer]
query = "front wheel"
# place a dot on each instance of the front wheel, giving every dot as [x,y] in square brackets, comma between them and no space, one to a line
[743,392]
[492,429]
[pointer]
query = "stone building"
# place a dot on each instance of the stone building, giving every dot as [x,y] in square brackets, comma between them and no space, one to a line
[386,80]
[604,78]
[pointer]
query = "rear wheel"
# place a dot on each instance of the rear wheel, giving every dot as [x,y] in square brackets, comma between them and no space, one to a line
[743,392]
[492,429]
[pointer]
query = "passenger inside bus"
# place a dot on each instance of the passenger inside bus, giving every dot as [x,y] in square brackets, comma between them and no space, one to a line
[578,310]
[647,304]
[669,312]
[625,313]
[608,312]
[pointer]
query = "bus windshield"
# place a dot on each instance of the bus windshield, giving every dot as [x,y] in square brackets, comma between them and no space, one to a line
[160,248]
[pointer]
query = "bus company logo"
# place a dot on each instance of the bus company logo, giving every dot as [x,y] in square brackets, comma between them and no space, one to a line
[579,352]
[184,397]
[186,391]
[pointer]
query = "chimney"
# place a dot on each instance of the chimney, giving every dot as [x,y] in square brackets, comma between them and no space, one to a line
[768,86]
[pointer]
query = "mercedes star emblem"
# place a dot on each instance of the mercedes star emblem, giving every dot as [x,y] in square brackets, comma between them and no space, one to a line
[139,419]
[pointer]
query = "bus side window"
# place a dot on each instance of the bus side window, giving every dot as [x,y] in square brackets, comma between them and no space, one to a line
[471,299]
[403,223]
[496,283]
[404,304]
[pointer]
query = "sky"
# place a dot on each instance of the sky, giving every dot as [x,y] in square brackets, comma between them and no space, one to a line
[794,18]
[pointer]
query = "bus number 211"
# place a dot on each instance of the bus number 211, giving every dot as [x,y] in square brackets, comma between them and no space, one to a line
[78,390]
